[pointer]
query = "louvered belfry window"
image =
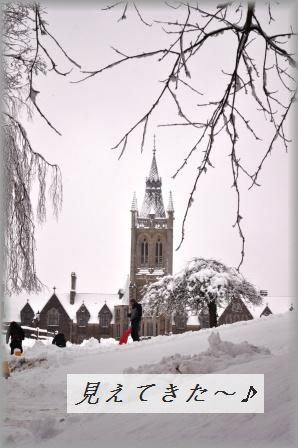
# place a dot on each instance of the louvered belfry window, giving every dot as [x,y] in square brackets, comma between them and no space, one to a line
[158,253]
[144,252]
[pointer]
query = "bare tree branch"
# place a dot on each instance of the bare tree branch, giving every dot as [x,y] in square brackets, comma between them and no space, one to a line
[25,56]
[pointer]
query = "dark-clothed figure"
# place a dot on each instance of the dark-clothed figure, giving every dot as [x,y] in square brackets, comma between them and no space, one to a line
[135,319]
[59,340]
[16,335]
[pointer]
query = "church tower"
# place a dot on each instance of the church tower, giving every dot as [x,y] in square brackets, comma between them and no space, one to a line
[151,235]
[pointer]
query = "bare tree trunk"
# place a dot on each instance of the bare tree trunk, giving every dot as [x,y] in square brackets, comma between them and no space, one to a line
[212,314]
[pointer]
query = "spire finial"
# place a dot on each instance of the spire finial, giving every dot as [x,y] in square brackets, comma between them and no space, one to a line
[54,289]
[170,205]
[134,205]
[154,145]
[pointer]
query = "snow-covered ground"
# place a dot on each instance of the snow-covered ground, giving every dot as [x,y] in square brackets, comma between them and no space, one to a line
[36,391]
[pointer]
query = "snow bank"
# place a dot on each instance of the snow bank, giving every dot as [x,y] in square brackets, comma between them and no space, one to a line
[219,355]
[36,405]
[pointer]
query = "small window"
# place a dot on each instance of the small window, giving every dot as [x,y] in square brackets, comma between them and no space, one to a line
[144,252]
[117,314]
[158,253]
[82,320]
[180,321]
[53,317]
[104,320]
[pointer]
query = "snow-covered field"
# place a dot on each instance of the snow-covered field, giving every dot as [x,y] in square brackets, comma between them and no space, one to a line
[36,391]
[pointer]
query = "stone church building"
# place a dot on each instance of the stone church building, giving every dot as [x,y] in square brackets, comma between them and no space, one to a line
[84,315]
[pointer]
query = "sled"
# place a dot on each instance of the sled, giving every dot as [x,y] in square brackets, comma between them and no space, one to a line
[125,336]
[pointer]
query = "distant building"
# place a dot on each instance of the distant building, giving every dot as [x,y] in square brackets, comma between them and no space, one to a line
[78,315]
[84,315]
[235,311]
[152,248]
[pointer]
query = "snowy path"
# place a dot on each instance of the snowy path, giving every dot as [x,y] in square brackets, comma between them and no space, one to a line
[36,414]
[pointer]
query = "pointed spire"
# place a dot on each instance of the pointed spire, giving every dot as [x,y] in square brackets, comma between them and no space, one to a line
[170,208]
[153,195]
[153,174]
[134,205]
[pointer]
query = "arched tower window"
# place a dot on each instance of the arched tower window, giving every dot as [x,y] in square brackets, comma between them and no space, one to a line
[144,252]
[53,317]
[158,253]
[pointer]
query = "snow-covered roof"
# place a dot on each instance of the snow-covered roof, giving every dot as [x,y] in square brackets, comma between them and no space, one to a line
[93,302]
[277,305]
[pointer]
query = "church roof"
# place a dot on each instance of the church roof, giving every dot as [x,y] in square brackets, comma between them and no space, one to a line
[266,311]
[93,302]
[153,201]
[278,305]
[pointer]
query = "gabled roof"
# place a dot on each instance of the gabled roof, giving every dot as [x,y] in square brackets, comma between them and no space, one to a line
[54,299]
[83,309]
[105,309]
[93,302]
[278,305]
[27,307]
[266,311]
[236,302]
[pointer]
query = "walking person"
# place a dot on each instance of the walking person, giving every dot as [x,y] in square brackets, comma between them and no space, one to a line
[16,334]
[135,319]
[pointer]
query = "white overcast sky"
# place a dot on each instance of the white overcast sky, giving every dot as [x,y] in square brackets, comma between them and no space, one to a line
[92,235]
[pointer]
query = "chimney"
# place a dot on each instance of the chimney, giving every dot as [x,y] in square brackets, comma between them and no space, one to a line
[73,288]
